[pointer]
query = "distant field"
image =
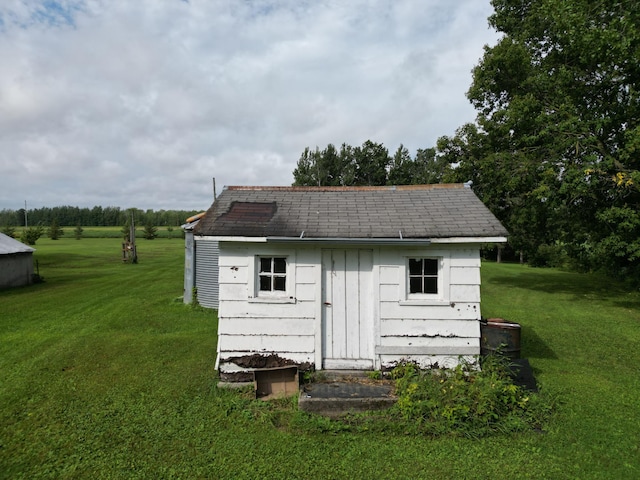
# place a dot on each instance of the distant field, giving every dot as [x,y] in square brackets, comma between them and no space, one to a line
[116,232]
[111,232]
[107,374]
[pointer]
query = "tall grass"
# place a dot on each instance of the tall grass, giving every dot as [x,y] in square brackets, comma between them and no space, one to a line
[106,374]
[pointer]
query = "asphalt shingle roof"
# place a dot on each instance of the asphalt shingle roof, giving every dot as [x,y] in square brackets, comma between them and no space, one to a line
[416,211]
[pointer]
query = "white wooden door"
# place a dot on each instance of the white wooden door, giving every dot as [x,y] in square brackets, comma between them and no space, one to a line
[347,320]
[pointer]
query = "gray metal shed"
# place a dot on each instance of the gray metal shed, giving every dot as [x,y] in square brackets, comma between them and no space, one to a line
[200,266]
[16,262]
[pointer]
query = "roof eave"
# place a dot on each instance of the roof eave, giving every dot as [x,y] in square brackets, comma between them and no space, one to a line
[492,239]
[217,238]
[318,241]
[358,240]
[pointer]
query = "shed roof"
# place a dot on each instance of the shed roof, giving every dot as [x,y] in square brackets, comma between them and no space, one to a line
[10,245]
[412,211]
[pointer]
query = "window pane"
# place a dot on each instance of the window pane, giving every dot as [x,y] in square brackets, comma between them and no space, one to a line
[415,285]
[430,285]
[430,266]
[265,264]
[279,283]
[415,266]
[265,283]
[279,265]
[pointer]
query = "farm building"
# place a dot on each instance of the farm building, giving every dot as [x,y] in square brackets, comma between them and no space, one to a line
[16,262]
[347,277]
[200,267]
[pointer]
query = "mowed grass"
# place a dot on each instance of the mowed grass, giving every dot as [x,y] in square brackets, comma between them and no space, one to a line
[108,232]
[106,374]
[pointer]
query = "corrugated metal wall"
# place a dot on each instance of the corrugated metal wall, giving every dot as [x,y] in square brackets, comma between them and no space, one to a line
[189,266]
[207,253]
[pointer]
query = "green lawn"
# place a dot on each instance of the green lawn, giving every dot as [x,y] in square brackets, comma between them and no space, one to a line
[106,374]
[69,232]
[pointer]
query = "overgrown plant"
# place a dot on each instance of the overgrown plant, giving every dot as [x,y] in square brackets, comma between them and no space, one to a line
[466,400]
[194,298]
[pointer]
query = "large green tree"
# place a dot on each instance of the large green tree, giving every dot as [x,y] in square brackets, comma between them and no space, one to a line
[328,167]
[370,164]
[425,168]
[364,165]
[556,149]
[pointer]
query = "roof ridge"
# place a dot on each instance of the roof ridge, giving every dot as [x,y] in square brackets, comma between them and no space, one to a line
[431,186]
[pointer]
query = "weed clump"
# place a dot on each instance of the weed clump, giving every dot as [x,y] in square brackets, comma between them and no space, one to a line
[466,400]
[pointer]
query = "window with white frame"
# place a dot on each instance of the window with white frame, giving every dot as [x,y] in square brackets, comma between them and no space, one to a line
[425,279]
[272,275]
[424,276]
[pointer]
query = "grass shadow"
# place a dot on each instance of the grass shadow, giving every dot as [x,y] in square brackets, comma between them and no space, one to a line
[533,346]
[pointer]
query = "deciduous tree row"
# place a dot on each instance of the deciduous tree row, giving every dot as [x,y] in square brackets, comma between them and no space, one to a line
[94,217]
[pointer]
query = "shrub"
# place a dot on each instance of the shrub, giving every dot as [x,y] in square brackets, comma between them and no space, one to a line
[150,231]
[9,231]
[465,400]
[55,231]
[31,235]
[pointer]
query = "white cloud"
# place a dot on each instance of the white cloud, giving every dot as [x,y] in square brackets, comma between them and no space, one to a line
[121,103]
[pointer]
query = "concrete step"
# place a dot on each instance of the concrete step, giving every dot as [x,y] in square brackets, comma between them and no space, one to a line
[337,398]
[342,375]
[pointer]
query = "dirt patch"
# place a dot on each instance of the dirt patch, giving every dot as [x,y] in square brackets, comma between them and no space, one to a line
[257,361]
[265,361]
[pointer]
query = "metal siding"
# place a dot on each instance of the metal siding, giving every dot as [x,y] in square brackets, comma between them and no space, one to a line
[189,267]
[16,270]
[206,265]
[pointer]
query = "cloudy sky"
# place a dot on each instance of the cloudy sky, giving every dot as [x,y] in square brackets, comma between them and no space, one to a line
[141,103]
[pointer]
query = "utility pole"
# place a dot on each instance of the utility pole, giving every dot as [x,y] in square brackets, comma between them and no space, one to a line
[26,224]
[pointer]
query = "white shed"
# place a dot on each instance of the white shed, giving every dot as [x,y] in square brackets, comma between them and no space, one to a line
[347,277]
[16,262]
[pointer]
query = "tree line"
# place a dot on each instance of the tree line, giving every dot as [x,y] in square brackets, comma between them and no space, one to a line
[92,217]
[555,148]
[369,164]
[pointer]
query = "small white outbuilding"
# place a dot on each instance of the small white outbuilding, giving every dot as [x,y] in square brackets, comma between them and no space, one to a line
[347,277]
[16,262]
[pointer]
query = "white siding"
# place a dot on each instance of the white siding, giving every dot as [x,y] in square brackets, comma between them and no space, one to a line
[271,327]
[427,331]
[263,343]
[422,328]
[248,325]
[436,331]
